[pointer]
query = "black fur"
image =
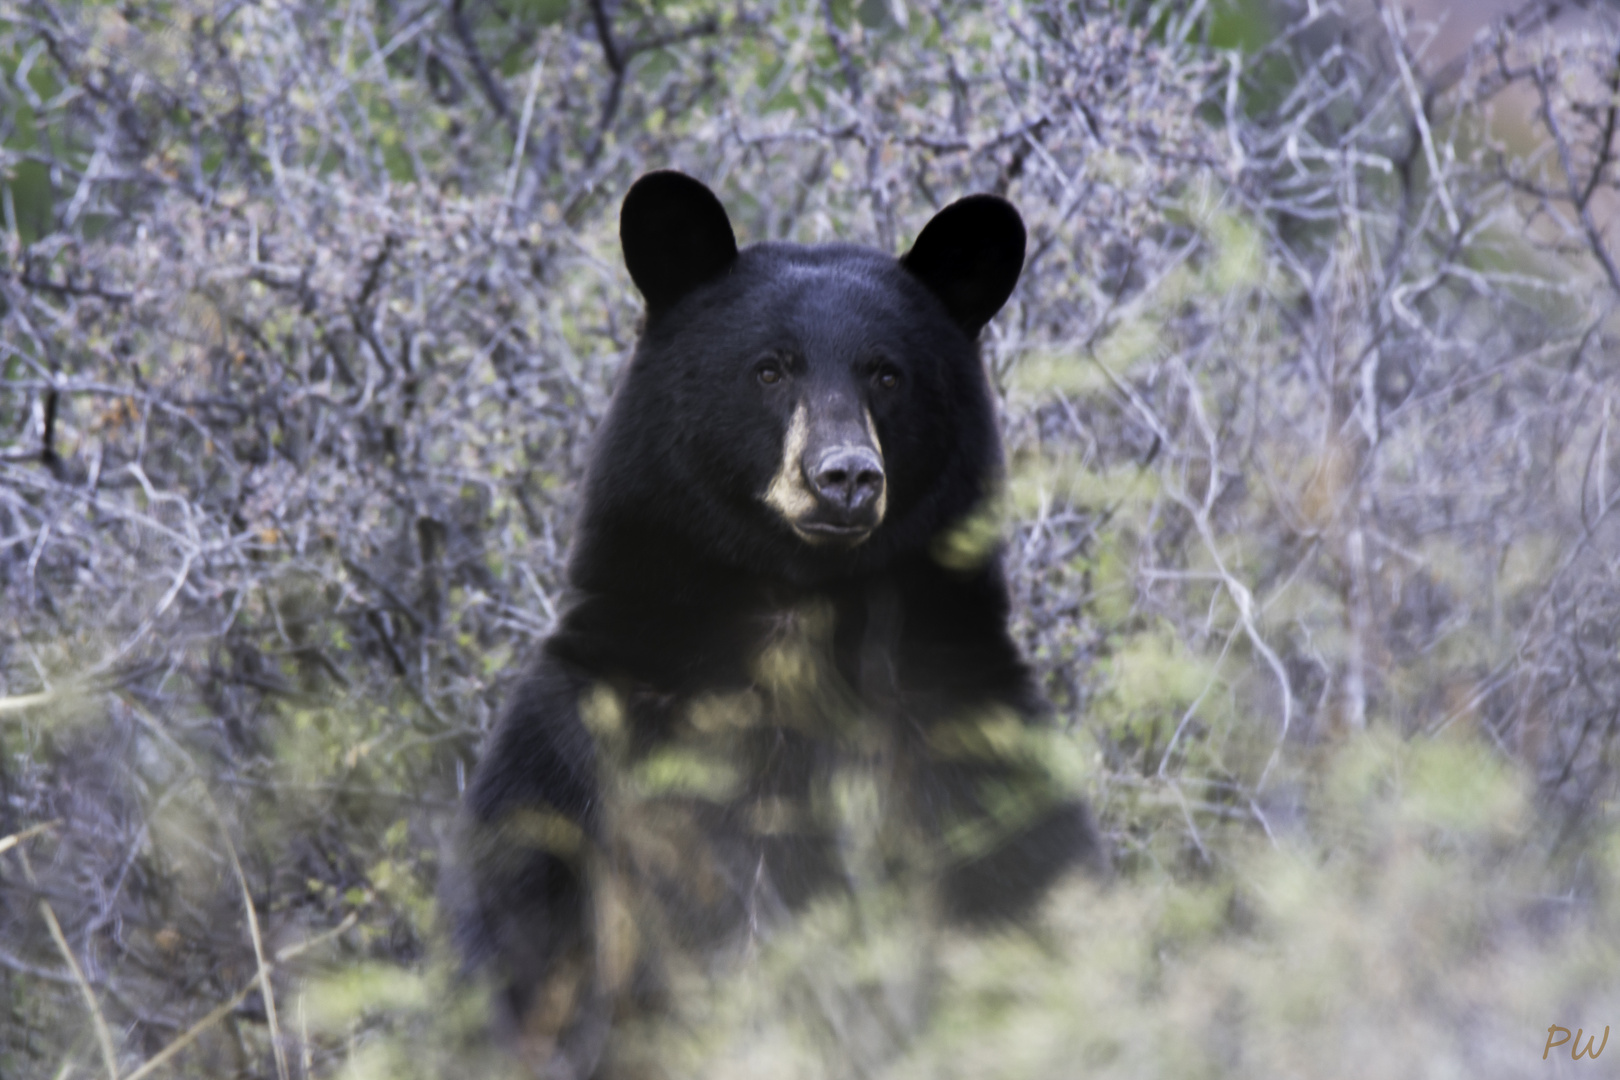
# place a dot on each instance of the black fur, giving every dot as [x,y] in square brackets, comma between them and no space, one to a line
[684,579]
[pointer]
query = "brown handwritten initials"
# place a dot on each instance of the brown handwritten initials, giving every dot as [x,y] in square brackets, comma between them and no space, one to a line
[1575,1051]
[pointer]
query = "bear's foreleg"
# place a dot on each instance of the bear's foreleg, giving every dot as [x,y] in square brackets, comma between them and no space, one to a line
[520,900]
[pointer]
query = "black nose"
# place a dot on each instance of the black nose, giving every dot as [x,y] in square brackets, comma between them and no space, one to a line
[849,479]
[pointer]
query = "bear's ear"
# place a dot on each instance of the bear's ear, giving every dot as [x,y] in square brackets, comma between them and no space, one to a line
[970,256]
[676,236]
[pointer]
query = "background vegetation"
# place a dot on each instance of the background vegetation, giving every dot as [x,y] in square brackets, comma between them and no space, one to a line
[1311,390]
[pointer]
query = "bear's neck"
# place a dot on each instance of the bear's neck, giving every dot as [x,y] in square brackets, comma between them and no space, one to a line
[666,621]
[680,624]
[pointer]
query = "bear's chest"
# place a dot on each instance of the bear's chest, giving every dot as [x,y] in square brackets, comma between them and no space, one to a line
[724,808]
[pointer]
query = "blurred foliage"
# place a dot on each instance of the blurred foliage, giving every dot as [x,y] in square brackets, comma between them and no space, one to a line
[307,311]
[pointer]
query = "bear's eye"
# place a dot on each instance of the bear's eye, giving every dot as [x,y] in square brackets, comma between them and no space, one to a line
[769,372]
[886,379]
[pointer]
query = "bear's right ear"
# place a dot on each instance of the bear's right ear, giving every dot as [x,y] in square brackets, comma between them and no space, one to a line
[676,236]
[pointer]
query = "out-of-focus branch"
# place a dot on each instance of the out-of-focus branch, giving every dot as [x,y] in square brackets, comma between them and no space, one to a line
[491,87]
[1581,203]
[840,44]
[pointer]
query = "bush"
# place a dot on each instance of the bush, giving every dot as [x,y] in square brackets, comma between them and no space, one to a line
[309,310]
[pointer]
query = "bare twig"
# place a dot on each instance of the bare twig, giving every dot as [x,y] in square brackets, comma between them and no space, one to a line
[226,1007]
[9,842]
[109,1056]
[266,989]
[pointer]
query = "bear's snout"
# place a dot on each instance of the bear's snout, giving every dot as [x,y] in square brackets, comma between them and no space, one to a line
[847,498]
[848,482]
[830,487]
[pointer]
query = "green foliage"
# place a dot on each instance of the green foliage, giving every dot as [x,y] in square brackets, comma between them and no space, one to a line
[1408,944]
[1245,25]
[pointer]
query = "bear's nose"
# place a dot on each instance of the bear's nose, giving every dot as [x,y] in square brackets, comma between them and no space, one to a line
[848,478]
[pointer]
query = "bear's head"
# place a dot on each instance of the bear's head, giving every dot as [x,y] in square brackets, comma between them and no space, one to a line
[803,412]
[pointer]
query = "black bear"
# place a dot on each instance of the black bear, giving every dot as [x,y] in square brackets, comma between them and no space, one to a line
[766,600]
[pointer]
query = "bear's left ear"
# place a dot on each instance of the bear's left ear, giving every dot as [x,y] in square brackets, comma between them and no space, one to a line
[970,256]
[675,235]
